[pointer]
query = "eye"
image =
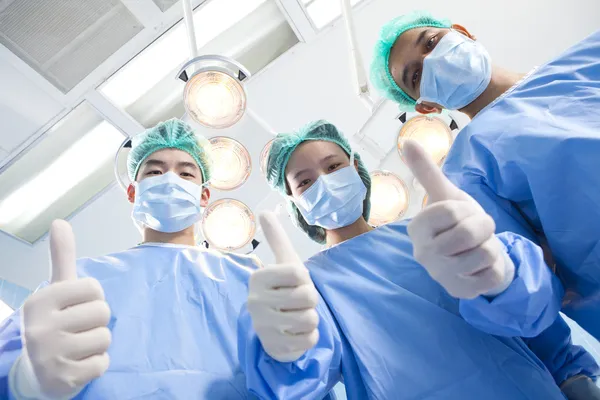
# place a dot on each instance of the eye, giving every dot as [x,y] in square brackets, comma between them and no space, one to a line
[304,183]
[431,43]
[186,175]
[415,78]
[154,172]
[333,167]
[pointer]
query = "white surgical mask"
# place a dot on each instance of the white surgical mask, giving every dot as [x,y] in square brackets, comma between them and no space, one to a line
[334,200]
[456,72]
[167,203]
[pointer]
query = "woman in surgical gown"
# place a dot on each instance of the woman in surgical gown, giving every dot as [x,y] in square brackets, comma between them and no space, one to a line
[404,337]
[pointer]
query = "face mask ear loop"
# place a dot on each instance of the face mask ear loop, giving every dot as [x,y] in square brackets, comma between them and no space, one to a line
[351,158]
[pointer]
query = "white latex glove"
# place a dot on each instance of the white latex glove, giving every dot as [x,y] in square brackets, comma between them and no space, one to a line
[282,299]
[65,337]
[453,237]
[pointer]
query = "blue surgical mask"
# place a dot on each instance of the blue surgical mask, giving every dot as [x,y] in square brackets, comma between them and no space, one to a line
[334,200]
[456,72]
[167,203]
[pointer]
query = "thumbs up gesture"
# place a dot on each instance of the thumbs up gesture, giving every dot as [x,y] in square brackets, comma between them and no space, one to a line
[65,334]
[453,237]
[282,299]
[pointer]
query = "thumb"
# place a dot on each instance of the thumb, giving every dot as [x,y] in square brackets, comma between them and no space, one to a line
[277,239]
[62,251]
[432,178]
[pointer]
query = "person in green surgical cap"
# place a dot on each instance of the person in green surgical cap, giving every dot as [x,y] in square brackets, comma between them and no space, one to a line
[158,320]
[531,136]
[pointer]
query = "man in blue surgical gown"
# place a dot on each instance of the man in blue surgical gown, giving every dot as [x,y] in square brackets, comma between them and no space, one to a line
[174,306]
[404,336]
[530,154]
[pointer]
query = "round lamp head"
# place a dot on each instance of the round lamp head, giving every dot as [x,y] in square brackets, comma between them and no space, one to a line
[264,157]
[389,198]
[433,134]
[228,225]
[214,95]
[231,163]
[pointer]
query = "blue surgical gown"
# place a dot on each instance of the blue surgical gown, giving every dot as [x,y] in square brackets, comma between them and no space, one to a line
[174,324]
[404,335]
[532,159]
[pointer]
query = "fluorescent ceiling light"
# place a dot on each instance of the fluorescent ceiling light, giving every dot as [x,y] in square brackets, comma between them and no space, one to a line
[158,60]
[73,166]
[322,12]
[69,165]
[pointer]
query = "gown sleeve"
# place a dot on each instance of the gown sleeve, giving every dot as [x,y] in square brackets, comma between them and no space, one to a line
[312,376]
[529,305]
[10,349]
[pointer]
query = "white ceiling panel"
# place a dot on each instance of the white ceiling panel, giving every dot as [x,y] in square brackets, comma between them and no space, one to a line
[24,107]
[3,155]
[164,5]
[65,40]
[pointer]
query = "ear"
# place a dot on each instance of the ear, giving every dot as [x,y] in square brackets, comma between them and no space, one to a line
[428,108]
[463,30]
[205,197]
[131,193]
[356,164]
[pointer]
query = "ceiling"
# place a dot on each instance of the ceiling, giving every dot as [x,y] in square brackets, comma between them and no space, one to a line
[300,73]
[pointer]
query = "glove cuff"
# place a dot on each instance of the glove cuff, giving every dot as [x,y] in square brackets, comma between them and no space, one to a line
[509,276]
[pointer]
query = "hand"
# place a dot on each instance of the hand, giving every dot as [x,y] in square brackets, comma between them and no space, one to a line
[453,237]
[65,330]
[282,299]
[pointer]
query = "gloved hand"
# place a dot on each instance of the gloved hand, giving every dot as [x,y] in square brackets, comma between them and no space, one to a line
[453,237]
[65,337]
[282,299]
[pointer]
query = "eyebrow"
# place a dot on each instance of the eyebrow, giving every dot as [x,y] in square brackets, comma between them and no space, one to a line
[406,67]
[187,164]
[154,163]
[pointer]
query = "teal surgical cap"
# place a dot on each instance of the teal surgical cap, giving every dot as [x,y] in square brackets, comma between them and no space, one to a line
[381,78]
[281,150]
[171,134]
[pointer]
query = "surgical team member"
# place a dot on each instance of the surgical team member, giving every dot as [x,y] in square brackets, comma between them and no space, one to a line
[404,335]
[157,321]
[529,156]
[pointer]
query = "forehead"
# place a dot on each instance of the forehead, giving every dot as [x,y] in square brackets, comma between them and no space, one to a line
[309,153]
[170,156]
[405,45]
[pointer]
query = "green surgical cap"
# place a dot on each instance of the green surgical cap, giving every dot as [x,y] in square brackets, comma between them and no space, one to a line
[171,134]
[381,78]
[281,150]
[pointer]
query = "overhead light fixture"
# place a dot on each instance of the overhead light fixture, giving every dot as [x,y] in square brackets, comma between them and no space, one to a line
[228,224]
[214,96]
[231,163]
[389,198]
[163,56]
[425,201]
[433,134]
[323,12]
[70,164]
[264,157]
